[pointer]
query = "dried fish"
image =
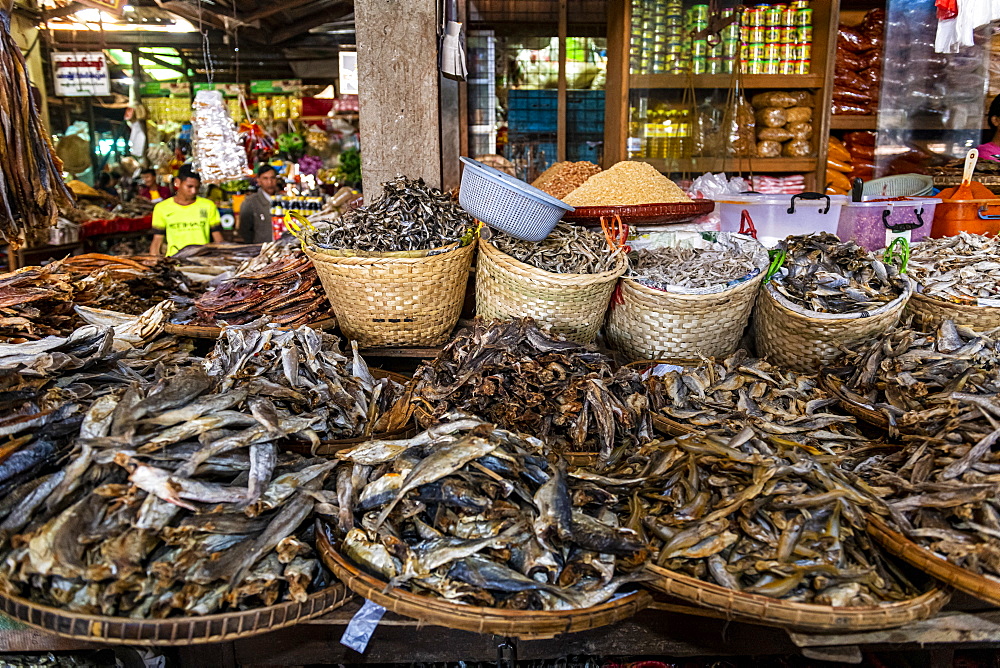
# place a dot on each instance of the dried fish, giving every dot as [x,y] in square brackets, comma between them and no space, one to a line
[960,269]
[823,274]
[409,215]
[721,264]
[569,249]
[515,375]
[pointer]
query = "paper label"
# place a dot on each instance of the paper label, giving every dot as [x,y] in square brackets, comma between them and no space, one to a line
[361,627]
[891,236]
[981,301]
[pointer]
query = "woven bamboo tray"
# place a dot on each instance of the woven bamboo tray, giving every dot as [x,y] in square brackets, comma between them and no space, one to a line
[173,631]
[919,557]
[661,422]
[644,323]
[571,305]
[209,332]
[828,380]
[523,624]
[642,214]
[805,341]
[757,609]
[928,313]
[396,301]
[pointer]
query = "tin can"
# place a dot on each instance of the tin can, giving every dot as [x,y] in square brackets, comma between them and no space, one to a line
[771,66]
[803,17]
[715,65]
[699,48]
[727,66]
[772,51]
[695,26]
[772,34]
[772,15]
[730,48]
[788,35]
[756,67]
[673,49]
[744,65]
[673,22]
[699,65]
[787,52]
[753,17]
[757,34]
[754,52]
[745,33]
[802,67]
[800,4]
[786,66]
[803,51]
[699,12]
[647,25]
[788,16]
[804,35]
[715,51]
[731,31]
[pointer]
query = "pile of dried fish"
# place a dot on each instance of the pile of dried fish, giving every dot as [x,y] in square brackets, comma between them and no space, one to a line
[959,269]
[84,211]
[36,302]
[287,292]
[570,249]
[823,274]
[31,185]
[759,517]
[215,259]
[137,207]
[722,398]
[513,374]
[911,376]
[692,268]
[475,514]
[408,216]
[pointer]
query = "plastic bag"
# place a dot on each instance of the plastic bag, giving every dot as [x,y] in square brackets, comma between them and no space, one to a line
[772,117]
[850,39]
[860,137]
[798,114]
[837,179]
[742,141]
[803,98]
[797,148]
[849,109]
[800,130]
[850,79]
[839,165]
[851,97]
[835,149]
[775,98]
[768,149]
[774,134]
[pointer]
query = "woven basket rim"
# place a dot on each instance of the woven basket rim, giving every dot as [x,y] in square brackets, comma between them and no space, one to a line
[827,317]
[524,269]
[371,261]
[653,292]
[213,332]
[937,302]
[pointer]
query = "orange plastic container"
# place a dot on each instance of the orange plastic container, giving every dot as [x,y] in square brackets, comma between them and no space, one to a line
[976,216]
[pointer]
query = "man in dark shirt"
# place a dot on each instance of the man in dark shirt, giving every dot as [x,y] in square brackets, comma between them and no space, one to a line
[150,189]
[255,213]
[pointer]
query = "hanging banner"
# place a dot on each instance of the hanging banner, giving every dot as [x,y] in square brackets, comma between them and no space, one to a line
[227,89]
[80,74]
[348,72]
[166,88]
[113,6]
[276,86]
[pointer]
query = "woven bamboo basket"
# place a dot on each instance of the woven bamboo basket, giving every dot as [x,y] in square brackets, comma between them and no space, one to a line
[928,313]
[396,301]
[649,323]
[174,631]
[572,305]
[805,341]
[211,332]
[981,587]
[523,624]
[757,609]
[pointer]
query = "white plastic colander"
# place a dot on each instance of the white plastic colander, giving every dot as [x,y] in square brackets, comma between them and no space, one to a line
[508,204]
[901,185]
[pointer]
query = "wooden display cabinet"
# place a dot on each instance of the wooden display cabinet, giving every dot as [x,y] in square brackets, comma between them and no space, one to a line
[621,82]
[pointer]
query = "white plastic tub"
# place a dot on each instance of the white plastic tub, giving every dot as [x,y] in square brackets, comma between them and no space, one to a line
[778,216]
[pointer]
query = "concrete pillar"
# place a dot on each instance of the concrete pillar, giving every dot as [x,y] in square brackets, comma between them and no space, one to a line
[398,90]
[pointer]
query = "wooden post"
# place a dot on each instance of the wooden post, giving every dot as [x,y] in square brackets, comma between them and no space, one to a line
[561,100]
[398,90]
[616,117]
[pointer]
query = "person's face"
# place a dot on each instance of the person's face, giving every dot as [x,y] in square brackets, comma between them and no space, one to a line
[187,189]
[149,180]
[268,182]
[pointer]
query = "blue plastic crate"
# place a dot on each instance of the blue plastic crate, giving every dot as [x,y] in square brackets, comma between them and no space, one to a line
[590,151]
[532,100]
[527,120]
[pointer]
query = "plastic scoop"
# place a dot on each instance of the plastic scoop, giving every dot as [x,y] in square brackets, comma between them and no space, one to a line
[964,191]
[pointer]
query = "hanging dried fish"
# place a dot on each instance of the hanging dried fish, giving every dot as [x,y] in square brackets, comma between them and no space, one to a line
[823,274]
[569,249]
[409,215]
[959,269]
[31,185]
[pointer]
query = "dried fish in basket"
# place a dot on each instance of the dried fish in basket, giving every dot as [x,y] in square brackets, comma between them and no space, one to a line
[828,295]
[408,216]
[569,249]
[473,514]
[958,278]
[723,398]
[733,519]
[513,374]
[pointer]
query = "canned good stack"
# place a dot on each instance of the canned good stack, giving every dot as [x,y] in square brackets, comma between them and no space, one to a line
[777,39]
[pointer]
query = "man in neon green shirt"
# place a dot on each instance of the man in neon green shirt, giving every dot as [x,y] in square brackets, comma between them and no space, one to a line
[185,219]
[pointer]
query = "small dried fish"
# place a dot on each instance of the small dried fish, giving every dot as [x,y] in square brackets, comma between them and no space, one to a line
[693,268]
[408,216]
[959,269]
[569,249]
[823,274]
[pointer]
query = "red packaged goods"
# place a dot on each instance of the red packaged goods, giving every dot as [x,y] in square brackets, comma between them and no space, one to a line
[862,137]
[850,79]
[858,73]
[847,60]
[849,109]
[852,40]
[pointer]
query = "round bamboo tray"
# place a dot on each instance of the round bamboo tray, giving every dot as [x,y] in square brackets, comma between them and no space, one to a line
[210,332]
[571,305]
[522,624]
[642,214]
[646,323]
[806,341]
[173,631]
[829,381]
[396,301]
[928,313]
[919,557]
[757,609]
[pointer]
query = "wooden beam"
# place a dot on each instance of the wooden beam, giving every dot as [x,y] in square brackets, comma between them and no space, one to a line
[60,12]
[616,90]
[192,13]
[307,23]
[561,92]
[162,63]
[276,8]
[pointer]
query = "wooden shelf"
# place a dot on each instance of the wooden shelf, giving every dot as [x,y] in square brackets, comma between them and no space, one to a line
[852,122]
[759,165]
[770,81]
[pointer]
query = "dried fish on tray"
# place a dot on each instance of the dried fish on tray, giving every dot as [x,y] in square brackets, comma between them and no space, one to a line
[758,516]
[723,398]
[569,249]
[823,274]
[960,269]
[409,215]
[287,292]
[512,373]
[474,514]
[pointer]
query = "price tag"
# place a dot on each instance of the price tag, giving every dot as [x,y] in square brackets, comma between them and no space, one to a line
[361,627]
[891,236]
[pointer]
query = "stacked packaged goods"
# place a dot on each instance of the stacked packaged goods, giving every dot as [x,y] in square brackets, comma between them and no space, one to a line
[858,74]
